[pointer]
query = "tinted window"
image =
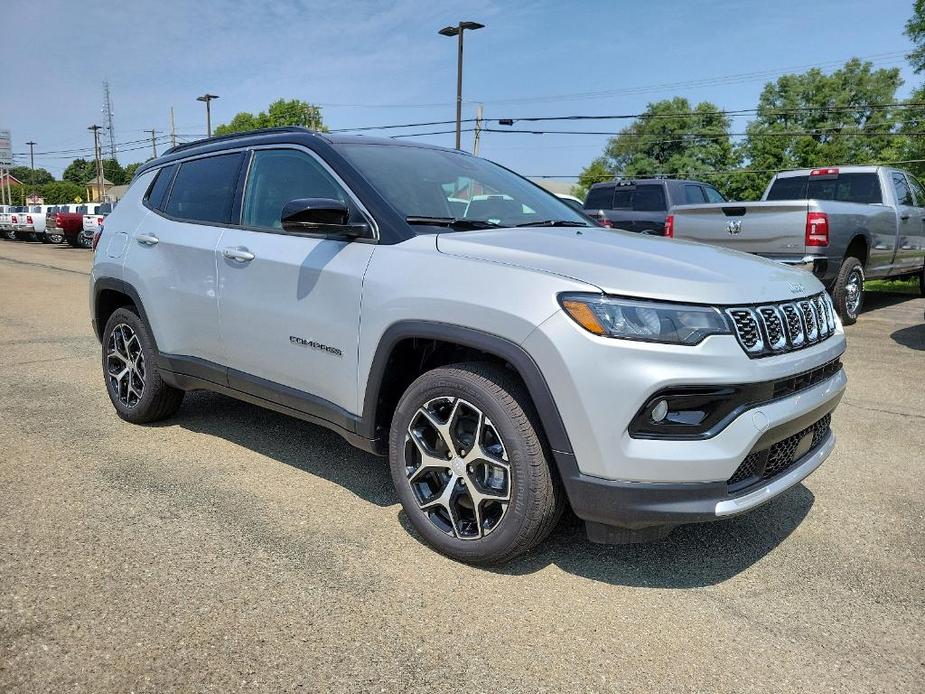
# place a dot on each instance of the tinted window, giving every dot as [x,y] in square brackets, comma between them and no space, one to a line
[105,208]
[649,199]
[82,209]
[599,198]
[918,190]
[693,195]
[903,191]
[713,195]
[158,190]
[203,190]
[846,187]
[278,176]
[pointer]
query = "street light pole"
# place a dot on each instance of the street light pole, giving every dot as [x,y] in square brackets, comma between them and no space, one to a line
[207,98]
[32,164]
[99,164]
[457,31]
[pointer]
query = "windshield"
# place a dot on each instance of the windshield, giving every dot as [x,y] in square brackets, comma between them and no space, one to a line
[436,183]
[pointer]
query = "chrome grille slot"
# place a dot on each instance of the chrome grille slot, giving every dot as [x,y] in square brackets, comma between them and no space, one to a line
[794,325]
[747,330]
[809,321]
[773,327]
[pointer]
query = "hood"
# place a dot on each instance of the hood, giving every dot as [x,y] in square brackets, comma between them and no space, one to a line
[622,263]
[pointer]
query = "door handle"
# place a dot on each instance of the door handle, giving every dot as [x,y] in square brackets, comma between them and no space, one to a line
[904,217]
[147,239]
[239,254]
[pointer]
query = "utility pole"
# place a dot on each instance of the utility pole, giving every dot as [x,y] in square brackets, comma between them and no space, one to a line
[207,98]
[457,31]
[108,113]
[153,141]
[173,130]
[32,164]
[479,123]
[99,164]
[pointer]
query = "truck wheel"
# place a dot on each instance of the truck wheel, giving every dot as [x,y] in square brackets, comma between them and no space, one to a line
[72,241]
[133,382]
[469,464]
[54,238]
[9,235]
[848,291]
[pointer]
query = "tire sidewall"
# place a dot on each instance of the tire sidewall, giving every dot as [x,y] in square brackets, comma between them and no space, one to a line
[849,268]
[131,319]
[497,543]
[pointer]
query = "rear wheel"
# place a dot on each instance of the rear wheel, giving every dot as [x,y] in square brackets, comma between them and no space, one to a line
[72,241]
[848,291]
[9,235]
[53,237]
[133,381]
[469,464]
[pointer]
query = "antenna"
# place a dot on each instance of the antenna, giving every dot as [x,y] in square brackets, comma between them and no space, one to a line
[108,114]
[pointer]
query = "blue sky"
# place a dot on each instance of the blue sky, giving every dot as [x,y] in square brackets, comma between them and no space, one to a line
[375,63]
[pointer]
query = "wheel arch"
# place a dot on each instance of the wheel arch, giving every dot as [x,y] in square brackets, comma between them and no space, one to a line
[391,371]
[110,294]
[858,247]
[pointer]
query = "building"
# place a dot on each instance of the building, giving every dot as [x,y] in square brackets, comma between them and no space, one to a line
[8,178]
[116,193]
[94,194]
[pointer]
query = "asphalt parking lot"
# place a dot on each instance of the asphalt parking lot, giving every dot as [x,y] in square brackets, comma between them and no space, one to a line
[232,548]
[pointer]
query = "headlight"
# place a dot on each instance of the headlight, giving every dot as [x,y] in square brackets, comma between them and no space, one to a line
[651,321]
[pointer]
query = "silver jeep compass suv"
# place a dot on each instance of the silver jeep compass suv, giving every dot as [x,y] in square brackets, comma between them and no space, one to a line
[509,357]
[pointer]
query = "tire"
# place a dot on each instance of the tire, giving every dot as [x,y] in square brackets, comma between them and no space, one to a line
[44,238]
[83,241]
[72,241]
[54,238]
[520,498]
[125,338]
[848,291]
[9,234]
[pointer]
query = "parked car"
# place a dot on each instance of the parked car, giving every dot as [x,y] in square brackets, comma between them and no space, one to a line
[32,226]
[69,222]
[642,205]
[10,220]
[509,362]
[93,222]
[5,221]
[844,224]
[53,234]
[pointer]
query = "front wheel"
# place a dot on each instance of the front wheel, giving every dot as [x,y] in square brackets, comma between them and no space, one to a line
[848,291]
[469,464]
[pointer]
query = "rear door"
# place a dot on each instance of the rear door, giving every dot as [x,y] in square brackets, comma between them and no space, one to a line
[909,225]
[289,303]
[171,256]
[917,240]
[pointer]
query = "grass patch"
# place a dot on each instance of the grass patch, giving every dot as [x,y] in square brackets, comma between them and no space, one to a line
[909,286]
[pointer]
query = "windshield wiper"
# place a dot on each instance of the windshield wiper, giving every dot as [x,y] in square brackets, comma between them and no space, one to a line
[554,223]
[452,222]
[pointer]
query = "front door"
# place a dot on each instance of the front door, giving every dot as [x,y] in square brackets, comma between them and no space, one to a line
[289,303]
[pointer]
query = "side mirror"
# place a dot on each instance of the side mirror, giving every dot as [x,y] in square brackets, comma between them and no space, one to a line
[320,216]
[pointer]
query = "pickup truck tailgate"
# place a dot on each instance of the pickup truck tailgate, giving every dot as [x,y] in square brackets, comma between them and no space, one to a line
[768,228]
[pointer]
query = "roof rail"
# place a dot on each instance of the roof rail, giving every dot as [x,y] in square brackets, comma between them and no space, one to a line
[232,136]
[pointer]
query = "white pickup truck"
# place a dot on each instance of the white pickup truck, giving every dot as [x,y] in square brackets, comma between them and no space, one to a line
[844,224]
[93,222]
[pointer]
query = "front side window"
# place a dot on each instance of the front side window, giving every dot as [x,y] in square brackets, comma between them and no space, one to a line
[903,191]
[421,182]
[918,190]
[203,190]
[278,176]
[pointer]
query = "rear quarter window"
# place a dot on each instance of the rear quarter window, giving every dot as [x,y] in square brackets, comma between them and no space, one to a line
[157,193]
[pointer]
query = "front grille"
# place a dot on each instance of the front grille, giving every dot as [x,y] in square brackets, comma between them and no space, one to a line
[763,465]
[783,327]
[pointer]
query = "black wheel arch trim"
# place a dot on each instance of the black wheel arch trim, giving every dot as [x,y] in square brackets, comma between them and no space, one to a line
[101,284]
[511,352]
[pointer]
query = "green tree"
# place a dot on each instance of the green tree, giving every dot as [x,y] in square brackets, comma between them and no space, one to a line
[112,172]
[79,171]
[814,119]
[130,170]
[281,112]
[595,172]
[25,174]
[915,30]
[61,192]
[670,137]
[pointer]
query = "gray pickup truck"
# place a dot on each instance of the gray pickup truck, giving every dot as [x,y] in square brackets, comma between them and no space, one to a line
[844,224]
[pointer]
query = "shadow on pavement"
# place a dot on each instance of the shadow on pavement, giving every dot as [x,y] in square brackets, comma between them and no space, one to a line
[912,337]
[883,299]
[692,556]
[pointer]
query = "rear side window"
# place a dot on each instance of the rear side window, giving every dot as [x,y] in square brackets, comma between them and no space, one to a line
[903,191]
[847,187]
[649,199]
[693,195]
[158,190]
[599,198]
[203,190]
[644,198]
